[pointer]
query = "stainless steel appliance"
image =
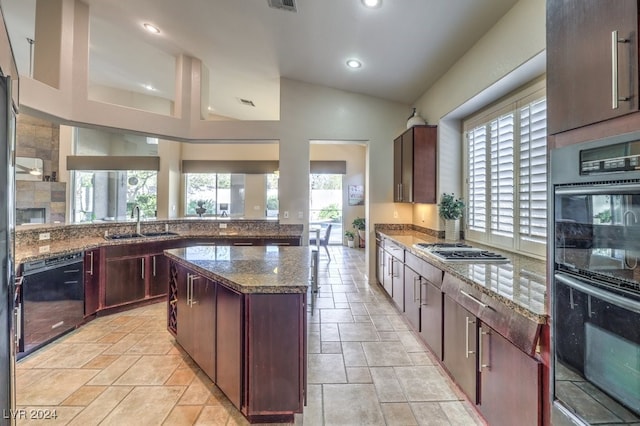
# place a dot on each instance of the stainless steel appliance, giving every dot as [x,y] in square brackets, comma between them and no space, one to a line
[595,295]
[52,294]
[7,242]
[459,252]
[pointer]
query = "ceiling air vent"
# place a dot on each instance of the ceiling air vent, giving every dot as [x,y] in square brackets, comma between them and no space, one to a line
[289,5]
[246,102]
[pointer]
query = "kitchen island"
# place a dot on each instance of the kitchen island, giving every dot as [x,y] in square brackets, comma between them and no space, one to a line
[240,313]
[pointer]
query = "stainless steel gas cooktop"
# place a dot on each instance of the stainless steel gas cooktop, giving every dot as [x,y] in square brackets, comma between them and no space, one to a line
[459,252]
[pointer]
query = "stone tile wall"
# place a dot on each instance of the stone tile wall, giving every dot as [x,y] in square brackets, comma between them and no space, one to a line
[38,138]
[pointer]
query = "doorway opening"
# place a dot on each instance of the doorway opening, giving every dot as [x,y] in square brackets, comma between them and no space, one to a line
[325,204]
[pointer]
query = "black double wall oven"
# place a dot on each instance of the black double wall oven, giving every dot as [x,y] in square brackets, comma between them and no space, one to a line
[595,295]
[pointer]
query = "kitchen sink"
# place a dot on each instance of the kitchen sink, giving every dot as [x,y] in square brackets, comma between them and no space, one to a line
[123,236]
[159,234]
[134,235]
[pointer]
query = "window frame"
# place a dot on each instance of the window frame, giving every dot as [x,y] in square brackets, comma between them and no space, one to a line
[511,104]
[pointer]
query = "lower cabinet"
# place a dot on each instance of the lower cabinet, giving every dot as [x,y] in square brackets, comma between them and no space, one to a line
[510,382]
[159,274]
[91,282]
[431,316]
[412,297]
[125,280]
[397,282]
[229,316]
[251,345]
[460,342]
[196,321]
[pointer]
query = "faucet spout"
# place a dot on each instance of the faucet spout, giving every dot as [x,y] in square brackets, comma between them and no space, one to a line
[136,210]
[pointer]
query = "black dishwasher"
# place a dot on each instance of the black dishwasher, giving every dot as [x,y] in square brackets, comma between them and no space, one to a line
[52,299]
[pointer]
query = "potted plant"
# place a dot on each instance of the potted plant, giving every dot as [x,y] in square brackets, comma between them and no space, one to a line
[450,209]
[360,224]
[350,238]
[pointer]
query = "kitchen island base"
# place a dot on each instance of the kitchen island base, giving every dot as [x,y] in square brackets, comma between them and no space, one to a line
[251,344]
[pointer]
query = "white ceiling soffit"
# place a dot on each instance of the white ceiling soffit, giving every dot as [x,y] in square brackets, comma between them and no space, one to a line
[404,46]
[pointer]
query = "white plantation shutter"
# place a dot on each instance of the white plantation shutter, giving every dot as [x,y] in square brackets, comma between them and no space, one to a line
[477,178]
[506,173]
[533,172]
[502,175]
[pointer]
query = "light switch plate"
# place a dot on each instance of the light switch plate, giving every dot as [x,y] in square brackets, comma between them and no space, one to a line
[223,226]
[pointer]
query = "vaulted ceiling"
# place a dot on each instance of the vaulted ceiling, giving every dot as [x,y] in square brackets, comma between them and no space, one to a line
[404,45]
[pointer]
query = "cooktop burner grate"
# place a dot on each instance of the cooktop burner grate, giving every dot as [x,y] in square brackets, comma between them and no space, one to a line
[460,252]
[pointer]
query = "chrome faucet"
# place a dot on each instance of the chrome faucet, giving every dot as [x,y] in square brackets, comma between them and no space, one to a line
[135,209]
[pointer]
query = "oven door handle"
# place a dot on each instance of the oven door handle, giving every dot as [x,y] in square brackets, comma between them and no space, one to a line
[597,292]
[631,188]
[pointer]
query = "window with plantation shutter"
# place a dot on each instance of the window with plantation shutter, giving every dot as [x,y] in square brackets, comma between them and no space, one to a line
[477,172]
[506,173]
[533,172]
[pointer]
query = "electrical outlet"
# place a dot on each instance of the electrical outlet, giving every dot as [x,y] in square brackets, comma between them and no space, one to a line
[286,215]
[45,236]
[395,214]
[44,249]
[223,226]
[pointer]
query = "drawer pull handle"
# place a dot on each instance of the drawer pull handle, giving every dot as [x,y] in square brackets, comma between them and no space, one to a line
[475,299]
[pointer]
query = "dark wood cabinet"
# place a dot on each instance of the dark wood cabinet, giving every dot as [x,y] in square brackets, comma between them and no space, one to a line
[196,318]
[460,346]
[255,342]
[431,316]
[229,338]
[91,282]
[158,275]
[412,297]
[125,280]
[414,165]
[510,382]
[592,61]
[423,301]
[397,282]
[380,262]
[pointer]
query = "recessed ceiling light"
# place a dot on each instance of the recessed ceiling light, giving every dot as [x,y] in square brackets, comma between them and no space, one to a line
[151,28]
[354,63]
[372,3]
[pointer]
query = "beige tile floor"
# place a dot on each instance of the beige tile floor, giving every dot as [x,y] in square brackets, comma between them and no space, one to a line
[366,367]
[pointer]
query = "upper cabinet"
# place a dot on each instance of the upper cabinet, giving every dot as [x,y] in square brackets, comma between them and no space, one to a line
[592,61]
[414,165]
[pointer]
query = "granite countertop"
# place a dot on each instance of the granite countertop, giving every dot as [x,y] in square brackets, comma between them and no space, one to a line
[520,284]
[74,243]
[265,269]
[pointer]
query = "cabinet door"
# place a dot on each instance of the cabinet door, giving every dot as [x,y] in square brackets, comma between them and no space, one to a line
[407,166]
[460,341]
[229,337]
[425,142]
[380,265]
[204,324]
[387,279]
[158,275]
[125,280]
[431,316]
[397,170]
[581,65]
[184,311]
[412,297]
[397,276]
[91,282]
[510,382]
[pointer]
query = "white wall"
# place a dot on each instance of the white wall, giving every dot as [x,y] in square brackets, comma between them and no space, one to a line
[308,112]
[514,41]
